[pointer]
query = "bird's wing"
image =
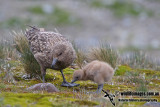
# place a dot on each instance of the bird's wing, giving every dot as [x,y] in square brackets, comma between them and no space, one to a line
[44,41]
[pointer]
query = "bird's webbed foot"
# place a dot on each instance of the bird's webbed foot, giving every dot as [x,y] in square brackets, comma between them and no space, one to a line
[67,84]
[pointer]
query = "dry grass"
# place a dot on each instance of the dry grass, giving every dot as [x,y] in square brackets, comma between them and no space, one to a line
[139,60]
[21,42]
[104,53]
[1,51]
[80,61]
[7,52]
[11,53]
[81,56]
[30,64]
[7,74]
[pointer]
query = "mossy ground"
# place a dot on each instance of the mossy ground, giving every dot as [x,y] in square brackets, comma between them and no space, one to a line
[125,79]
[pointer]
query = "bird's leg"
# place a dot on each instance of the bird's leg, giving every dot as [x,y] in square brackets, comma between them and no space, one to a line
[43,73]
[65,83]
[99,89]
[43,77]
[64,80]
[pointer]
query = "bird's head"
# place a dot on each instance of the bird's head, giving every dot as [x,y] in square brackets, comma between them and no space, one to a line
[63,56]
[77,75]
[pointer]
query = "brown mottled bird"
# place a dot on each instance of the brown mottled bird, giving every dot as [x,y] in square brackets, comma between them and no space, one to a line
[97,71]
[51,50]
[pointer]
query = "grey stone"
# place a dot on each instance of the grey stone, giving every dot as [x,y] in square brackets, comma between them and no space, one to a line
[152,104]
[43,87]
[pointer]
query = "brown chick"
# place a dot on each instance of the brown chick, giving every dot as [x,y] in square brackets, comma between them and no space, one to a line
[97,71]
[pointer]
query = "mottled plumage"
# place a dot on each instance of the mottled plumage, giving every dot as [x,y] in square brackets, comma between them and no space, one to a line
[50,49]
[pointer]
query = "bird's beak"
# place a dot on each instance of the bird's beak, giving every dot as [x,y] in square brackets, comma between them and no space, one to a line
[54,62]
[74,80]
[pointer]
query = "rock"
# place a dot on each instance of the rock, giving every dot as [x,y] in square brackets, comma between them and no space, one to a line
[152,104]
[43,87]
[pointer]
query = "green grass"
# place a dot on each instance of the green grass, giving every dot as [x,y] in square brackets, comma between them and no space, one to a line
[47,100]
[97,3]
[142,87]
[122,8]
[2,86]
[121,70]
[36,10]
[1,101]
[16,94]
[58,16]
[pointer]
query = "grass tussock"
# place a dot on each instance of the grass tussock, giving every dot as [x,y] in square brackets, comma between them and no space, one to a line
[81,56]
[138,60]
[10,53]
[104,53]
[30,64]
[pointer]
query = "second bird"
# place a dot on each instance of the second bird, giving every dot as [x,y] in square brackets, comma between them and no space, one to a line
[97,71]
[51,50]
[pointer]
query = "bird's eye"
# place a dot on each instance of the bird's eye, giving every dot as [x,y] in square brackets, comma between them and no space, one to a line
[59,54]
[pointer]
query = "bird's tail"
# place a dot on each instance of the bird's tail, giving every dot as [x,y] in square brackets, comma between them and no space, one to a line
[30,33]
[33,27]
